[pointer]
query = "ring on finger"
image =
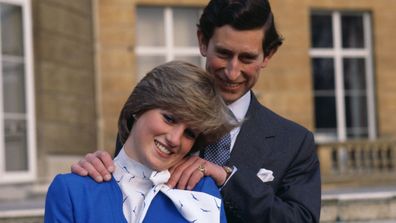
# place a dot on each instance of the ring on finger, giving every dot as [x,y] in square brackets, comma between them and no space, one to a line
[201,168]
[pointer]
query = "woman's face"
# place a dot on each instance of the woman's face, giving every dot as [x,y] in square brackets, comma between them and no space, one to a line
[159,140]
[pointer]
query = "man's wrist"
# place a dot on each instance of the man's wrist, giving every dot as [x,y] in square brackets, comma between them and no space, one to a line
[228,171]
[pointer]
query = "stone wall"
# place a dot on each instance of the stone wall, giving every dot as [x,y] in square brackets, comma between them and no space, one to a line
[367,208]
[64,78]
[287,81]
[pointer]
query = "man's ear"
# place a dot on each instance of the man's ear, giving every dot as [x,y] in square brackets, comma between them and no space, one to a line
[203,43]
[267,57]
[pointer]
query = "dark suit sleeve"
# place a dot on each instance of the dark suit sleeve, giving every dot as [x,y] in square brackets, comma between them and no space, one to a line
[58,206]
[295,198]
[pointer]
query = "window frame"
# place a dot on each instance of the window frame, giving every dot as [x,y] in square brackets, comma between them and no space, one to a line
[338,53]
[170,51]
[27,60]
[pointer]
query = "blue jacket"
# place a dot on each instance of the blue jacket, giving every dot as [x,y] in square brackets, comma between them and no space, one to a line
[72,198]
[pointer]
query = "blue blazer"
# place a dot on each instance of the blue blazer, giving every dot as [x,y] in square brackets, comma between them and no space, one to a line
[72,198]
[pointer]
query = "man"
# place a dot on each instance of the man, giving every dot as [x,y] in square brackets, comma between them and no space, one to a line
[274,174]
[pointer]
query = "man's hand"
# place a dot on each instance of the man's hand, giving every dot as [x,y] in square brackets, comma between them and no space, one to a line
[186,174]
[98,165]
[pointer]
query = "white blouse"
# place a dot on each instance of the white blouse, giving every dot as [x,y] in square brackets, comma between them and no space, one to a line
[139,185]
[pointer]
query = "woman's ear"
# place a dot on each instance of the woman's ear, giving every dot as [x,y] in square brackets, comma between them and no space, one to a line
[203,43]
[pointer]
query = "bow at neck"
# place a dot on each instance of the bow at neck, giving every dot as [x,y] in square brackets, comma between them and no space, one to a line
[140,185]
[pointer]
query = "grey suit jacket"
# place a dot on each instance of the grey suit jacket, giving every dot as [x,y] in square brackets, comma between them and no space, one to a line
[269,141]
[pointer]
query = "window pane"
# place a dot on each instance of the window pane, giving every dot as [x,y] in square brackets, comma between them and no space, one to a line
[323,73]
[11,30]
[354,74]
[321,31]
[352,31]
[184,29]
[146,63]
[15,145]
[192,59]
[150,26]
[13,88]
[325,112]
[356,115]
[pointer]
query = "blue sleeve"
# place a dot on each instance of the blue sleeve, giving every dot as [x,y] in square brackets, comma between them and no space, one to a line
[58,207]
[208,186]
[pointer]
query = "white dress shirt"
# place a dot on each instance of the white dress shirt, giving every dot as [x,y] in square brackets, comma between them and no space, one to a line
[239,108]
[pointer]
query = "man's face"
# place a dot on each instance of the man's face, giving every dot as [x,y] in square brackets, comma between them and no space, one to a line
[235,58]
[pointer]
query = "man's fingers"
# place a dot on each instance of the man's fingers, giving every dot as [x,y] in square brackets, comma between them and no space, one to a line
[175,176]
[177,170]
[91,170]
[97,167]
[194,179]
[106,159]
[189,171]
[183,171]
[77,169]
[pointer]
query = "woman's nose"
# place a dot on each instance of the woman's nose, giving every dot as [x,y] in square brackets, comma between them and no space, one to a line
[175,134]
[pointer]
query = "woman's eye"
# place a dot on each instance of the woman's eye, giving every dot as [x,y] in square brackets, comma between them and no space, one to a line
[169,118]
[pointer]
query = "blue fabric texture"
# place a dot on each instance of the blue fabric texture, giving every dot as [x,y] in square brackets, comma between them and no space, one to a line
[72,198]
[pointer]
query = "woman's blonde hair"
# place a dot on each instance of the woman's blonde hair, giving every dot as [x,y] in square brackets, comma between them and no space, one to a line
[188,92]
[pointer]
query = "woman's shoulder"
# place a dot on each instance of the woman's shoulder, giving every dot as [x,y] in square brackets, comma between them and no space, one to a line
[207,181]
[207,185]
[81,197]
[73,179]
[74,182]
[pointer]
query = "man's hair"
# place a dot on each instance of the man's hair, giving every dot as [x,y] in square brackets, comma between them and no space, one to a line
[186,91]
[241,15]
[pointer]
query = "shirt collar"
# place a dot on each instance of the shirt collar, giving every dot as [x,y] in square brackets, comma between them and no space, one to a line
[131,166]
[240,107]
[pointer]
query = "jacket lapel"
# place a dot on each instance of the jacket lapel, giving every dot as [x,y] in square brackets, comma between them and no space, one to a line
[257,134]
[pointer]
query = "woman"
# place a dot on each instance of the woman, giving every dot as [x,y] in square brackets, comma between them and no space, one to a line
[175,110]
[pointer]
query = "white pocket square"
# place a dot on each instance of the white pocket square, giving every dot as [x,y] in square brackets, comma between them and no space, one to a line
[265,175]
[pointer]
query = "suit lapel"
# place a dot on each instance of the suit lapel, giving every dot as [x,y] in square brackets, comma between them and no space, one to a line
[257,134]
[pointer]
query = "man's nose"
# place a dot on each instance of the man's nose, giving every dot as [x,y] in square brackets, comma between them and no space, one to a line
[233,69]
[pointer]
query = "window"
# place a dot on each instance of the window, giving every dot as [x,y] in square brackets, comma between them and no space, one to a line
[165,34]
[342,73]
[17,127]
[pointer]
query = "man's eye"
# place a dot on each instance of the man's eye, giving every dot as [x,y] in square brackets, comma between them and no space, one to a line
[190,134]
[248,60]
[169,118]
[223,54]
